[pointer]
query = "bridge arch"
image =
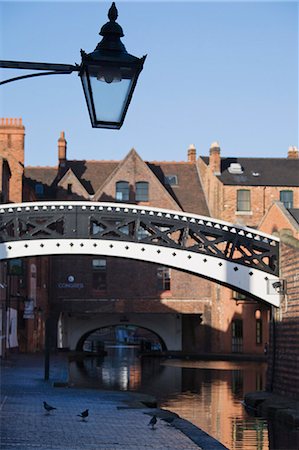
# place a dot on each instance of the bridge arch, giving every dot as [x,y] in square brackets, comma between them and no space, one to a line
[241,258]
[167,327]
[80,343]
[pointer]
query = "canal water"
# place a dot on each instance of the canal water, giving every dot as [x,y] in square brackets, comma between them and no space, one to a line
[207,393]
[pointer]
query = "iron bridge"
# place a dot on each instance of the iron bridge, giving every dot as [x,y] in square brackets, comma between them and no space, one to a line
[241,258]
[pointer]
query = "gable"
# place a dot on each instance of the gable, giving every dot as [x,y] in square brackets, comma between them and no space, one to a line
[70,185]
[278,218]
[133,170]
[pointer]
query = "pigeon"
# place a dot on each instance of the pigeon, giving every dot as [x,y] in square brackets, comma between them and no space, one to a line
[48,407]
[83,415]
[153,422]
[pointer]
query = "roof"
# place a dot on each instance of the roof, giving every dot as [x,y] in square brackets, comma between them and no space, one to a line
[260,171]
[294,213]
[188,193]
[45,175]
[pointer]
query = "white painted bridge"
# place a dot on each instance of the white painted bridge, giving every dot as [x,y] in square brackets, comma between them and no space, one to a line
[241,258]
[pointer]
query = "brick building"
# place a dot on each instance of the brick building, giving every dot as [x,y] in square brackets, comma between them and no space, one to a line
[212,318]
[242,191]
[120,286]
[23,283]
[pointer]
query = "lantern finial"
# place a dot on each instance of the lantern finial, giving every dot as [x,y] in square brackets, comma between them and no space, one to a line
[113,13]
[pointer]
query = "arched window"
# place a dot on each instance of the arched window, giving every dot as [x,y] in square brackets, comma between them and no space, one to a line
[141,191]
[122,191]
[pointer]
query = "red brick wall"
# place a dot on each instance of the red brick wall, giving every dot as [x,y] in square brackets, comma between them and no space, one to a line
[131,285]
[262,197]
[283,372]
[278,218]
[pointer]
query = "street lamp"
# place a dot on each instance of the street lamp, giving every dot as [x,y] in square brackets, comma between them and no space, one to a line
[109,75]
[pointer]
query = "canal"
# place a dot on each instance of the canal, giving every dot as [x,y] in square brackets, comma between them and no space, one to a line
[207,393]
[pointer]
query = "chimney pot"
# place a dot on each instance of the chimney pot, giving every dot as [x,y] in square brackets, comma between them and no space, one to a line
[192,153]
[293,152]
[215,160]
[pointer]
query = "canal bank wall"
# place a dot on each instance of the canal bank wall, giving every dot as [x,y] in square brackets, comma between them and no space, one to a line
[205,356]
[117,420]
[273,406]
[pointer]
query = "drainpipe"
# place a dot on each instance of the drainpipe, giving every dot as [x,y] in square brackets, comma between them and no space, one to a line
[273,346]
[264,200]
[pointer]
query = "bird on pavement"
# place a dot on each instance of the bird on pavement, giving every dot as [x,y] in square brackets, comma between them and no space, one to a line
[83,415]
[48,407]
[153,422]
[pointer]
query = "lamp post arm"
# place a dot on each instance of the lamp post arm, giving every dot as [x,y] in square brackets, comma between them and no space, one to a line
[51,69]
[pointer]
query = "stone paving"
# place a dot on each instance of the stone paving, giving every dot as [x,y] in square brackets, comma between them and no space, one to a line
[111,424]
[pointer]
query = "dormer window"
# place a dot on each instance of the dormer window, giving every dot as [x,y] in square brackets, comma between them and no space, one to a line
[141,194]
[39,189]
[171,180]
[122,191]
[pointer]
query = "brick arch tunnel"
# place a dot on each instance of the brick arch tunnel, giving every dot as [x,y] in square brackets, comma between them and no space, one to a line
[85,336]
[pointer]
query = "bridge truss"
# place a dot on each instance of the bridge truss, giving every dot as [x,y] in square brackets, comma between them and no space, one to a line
[239,257]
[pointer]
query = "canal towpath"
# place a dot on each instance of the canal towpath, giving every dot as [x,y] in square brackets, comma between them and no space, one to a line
[116,421]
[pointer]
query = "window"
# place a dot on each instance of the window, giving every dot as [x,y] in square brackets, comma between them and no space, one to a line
[122,191]
[259,331]
[15,267]
[39,189]
[99,273]
[243,200]
[69,188]
[141,191]
[238,296]
[164,278]
[237,336]
[172,180]
[286,197]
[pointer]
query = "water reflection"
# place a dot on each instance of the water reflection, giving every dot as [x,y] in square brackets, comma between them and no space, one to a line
[207,393]
[217,407]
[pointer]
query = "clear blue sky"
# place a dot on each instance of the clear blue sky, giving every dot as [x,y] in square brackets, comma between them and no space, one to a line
[225,71]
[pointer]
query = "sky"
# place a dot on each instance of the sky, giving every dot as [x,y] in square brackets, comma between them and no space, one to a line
[215,71]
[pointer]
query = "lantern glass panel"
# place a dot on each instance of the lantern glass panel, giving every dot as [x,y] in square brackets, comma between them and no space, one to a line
[110,88]
[86,91]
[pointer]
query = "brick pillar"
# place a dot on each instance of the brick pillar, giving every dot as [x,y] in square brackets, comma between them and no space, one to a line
[215,160]
[191,154]
[12,134]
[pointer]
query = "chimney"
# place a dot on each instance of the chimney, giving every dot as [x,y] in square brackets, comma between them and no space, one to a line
[62,149]
[191,154]
[215,160]
[293,152]
[12,137]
